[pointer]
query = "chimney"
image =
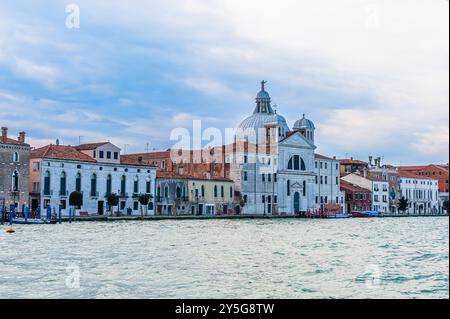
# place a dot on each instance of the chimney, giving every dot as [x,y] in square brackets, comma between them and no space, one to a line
[140,159]
[4,134]
[21,138]
[370,160]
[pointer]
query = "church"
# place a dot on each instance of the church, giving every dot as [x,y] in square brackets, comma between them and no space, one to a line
[276,169]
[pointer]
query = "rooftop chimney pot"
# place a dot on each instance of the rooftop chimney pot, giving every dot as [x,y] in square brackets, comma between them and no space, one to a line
[4,134]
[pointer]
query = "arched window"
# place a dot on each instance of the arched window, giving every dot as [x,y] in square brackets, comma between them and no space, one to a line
[62,184]
[47,183]
[136,185]
[215,190]
[15,157]
[78,182]
[304,188]
[222,192]
[15,181]
[148,186]
[288,188]
[178,192]
[123,186]
[108,185]
[296,163]
[94,185]
[158,192]
[166,192]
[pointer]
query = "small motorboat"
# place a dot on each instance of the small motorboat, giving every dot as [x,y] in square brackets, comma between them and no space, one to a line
[22,221]
[339,216]
[366,214]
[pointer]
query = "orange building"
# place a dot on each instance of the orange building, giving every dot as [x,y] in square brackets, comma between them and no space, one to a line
[439,172]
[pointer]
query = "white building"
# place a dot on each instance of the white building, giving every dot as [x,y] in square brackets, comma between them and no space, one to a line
[275,169]
[378,186]
[421,192]
[95,170]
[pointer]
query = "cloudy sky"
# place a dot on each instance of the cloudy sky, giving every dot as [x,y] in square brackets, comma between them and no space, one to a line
[372,75]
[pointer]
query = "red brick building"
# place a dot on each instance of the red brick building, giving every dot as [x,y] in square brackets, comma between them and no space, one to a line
[357,199]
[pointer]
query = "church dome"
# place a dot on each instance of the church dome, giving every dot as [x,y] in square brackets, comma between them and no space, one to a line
[304,123]
[263,114]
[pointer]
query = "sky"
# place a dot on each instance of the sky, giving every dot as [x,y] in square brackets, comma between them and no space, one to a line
[372,75]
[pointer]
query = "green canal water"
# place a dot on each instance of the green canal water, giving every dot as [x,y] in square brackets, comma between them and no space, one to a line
[354,258]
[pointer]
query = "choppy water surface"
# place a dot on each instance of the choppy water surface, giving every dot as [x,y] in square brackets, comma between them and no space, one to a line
[356,258]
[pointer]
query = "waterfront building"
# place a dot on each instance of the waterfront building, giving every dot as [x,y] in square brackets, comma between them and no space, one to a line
[190,195]
[357,199]
[96,170]
[14,173]
[351,165]
[328,194]
[435,171]
[378,186]
[422,193]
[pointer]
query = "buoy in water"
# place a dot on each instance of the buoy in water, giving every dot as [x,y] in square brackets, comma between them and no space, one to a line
[10,231]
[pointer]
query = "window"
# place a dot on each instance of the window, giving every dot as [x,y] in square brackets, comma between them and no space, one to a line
[136,185]
[94,185]
[231,192]
[78,182]
[296,163]
[315,164]
[15,157]
[304,188]
[317,179]
[116,155]
[275,177]
[245,159]
[326,179]
[123,185]
[203,190]
[275,199]
[36,166]
[215,190]
[47,183]
[95,154]
[321,179]
[263,177]
[62,188]
[269,178]
[245,176]
[135,205]
[101,154]
[245,199]
[108,185]
[148,186]
[166,192]
[337,180]
[15,181]
[222,192]
[108,155]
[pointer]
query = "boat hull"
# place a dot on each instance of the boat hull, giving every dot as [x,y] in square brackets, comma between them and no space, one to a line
[366,214]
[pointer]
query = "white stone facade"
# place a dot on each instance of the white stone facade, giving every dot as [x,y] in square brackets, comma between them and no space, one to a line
[422,195]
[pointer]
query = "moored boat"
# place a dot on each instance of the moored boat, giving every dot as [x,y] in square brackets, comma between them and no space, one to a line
[366,214]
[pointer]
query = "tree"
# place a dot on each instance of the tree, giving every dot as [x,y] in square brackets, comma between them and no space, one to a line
[112,200]
[445,205]
[75,200]
[403,204]
[144,200]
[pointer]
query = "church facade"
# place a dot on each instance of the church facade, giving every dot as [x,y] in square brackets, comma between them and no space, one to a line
[276,169]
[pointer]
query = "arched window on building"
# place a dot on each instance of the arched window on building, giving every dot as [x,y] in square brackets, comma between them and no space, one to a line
[47,183]
[78,182]
[123,186]
[296,163]
[288,191]
[136,185]
[94,185]
[108,185]
[15,181]
[148,185]
[304,188]
[178,192]
[62,184]
[166,192]
[222,192]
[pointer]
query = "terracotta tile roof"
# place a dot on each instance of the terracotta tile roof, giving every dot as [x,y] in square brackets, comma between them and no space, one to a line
[422,167]
[354,188]
[61,152]
[89,147]
[133,161]
[406,174]
[348,161]
[10,141]
[149,156]
[172,175]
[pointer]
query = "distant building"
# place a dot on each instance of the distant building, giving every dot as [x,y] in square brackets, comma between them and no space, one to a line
[435,171]
[189,195]
[421,192]
[378,186]
[328,183]
[96,170]
[14,173]
[357,199]
[350,165]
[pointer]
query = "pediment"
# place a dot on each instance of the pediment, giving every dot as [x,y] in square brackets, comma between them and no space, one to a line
[297,139]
